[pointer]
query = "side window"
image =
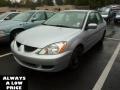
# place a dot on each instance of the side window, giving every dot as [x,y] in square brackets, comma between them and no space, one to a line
[9,17]
[39,16]
[49,14]
[92,18]
[100,19]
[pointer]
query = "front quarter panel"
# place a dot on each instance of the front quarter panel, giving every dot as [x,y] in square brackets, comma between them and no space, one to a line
[75,40]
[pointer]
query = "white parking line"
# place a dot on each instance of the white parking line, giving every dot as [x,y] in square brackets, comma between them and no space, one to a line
[112,39]
[104,75]
[7,54]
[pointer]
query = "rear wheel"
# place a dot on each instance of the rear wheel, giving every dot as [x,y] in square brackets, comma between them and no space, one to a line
[102,39]
[115,21]
[75,59]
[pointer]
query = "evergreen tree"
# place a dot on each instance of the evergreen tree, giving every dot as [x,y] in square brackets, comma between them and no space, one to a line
[69,2]
[3,3]
[81,2]
[47,2]
[59,2]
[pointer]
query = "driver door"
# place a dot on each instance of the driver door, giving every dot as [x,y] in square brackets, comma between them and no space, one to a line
[91,35]
[38,18]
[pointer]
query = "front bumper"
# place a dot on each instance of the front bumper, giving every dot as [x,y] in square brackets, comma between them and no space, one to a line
[46,63]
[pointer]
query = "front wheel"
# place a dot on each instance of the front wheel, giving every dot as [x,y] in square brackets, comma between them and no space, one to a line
[115,21]
[75,59]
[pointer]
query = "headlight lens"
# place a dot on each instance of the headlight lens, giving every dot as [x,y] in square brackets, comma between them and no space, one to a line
[53,49]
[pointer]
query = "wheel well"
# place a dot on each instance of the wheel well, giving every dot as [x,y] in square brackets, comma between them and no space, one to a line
[18,29]
[80,45]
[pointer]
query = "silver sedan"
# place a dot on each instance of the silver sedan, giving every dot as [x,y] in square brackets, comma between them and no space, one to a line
[60,41]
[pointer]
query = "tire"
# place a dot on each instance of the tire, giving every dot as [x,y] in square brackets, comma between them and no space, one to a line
[75,58]
[115,21]
[102,39]
[108,20]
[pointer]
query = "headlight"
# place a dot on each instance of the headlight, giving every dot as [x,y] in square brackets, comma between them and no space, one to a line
[2,33]
[53,49]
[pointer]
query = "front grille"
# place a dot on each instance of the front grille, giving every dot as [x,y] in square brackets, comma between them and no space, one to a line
[26,48]
[18,44]
[29,49]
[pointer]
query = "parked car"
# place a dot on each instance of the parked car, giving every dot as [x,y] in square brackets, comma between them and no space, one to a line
[10,28]
[116,9]
[107,13]
[117,18]
[8,16]
[60,41]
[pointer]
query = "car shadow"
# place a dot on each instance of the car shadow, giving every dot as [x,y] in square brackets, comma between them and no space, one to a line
[4,48]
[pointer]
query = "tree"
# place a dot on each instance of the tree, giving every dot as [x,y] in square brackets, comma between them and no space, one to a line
[69,2]
[3,3]
[47,2]
[81,2]
[59,2]
[39,2]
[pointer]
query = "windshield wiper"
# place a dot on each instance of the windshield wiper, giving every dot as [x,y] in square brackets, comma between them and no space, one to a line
[55,25]
[59,25]
[62,26]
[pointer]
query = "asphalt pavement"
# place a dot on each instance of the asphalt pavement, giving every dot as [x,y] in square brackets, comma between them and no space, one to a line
[93,64]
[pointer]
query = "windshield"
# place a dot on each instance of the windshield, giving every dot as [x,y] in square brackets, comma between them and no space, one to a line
[24,17]
[2,16]
[67,19]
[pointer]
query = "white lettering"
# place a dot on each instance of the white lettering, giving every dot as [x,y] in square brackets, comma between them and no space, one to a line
[7,83]
[13,88]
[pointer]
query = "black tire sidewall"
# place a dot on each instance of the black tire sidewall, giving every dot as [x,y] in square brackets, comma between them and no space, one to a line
[75,55]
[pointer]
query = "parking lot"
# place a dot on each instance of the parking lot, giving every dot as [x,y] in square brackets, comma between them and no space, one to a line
[93,64]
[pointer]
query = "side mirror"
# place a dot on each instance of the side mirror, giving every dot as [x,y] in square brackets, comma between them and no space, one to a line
[34,19]
[7,18]
[92,26]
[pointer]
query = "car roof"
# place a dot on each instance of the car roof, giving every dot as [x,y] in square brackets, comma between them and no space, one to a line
[38,11]
[79,11]
[12,12]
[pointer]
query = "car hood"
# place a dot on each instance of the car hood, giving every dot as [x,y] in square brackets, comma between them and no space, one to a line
[42,36]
